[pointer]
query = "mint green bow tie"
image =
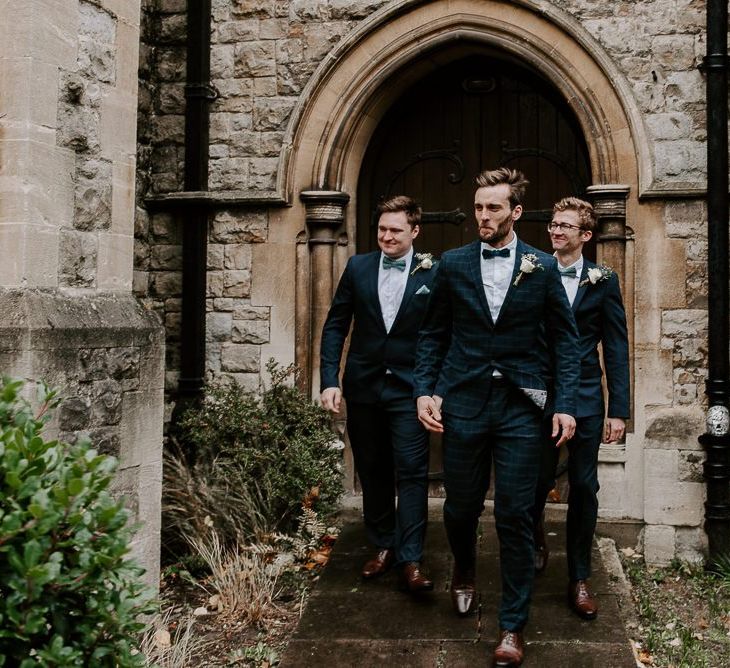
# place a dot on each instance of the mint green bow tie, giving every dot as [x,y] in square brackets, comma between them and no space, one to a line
[389,263]
[568,271]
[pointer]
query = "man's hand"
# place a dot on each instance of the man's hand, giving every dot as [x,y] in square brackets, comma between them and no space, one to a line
[615,429]
[567,424]
[331,398]
[429,412]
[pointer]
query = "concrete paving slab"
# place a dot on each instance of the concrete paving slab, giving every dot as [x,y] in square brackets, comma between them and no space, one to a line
[363,615]
[552,619]
[343,573]
[349,621]
[450,654]
[539,654]
[362,653]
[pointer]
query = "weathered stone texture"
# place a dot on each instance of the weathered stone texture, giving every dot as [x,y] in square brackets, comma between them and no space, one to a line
[659,544]
[250,331]
[240,357]
[674,428]
[254,59]
[93,196]
[243,227]
[686,219]
[658,45]
[77,255]
[97,37]
[98,350]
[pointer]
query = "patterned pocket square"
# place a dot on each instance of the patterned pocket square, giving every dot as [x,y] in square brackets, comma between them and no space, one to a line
[539,397]
[423,290]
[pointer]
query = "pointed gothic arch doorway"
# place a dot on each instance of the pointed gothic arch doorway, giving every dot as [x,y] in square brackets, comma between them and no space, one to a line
[478,112]
[346,102]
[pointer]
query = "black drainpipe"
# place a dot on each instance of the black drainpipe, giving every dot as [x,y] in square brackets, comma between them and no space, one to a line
[198,95]
[716,440]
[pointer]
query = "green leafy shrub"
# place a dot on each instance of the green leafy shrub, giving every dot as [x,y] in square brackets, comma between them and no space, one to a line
[69,596]
[275,451]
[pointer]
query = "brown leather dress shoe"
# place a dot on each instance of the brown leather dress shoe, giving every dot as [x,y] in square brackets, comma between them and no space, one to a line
[463,591]
[413,580]
[541,549]
[510,650]
[581,600]
[379,564]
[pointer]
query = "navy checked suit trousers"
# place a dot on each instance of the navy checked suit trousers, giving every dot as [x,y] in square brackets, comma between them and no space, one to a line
[507,434]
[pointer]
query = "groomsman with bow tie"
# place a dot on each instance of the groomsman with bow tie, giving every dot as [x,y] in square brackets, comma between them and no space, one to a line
[595,298]
[384,295]
[481,350]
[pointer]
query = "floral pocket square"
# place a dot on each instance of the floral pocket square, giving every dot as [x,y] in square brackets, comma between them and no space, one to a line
[423,290]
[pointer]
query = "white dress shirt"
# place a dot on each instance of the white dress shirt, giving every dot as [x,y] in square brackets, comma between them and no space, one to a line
[391,286]
[497,275]
[570,283]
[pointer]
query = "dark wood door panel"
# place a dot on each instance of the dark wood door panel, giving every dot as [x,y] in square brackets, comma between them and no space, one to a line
[474,114]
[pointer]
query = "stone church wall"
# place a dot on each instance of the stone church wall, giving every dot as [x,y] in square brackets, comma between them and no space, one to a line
[68,102]
[263,55]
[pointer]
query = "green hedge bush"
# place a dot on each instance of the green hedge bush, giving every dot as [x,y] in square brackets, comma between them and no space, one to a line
[69,596]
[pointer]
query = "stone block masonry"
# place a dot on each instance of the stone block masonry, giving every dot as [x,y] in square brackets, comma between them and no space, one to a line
[105,355]
[235,326]
[264,52]
[68,104]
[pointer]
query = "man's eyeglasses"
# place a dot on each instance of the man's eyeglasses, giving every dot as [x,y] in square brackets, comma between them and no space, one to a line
[563,227]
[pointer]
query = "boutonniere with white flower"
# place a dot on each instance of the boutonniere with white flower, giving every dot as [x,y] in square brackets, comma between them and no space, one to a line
[425,262]
[528,264]
[596,275]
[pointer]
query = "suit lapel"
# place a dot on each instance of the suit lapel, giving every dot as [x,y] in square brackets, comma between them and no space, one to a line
[412,284]
[582,288]
[373,268]
[475,268]
[515,270]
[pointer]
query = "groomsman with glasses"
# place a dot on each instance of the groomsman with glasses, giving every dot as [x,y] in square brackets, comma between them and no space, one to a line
[595,299]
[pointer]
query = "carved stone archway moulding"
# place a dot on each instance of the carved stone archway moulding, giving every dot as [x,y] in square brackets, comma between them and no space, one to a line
[361,78]
[348,94]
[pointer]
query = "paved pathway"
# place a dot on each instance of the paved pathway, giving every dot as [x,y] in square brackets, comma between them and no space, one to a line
[349,622]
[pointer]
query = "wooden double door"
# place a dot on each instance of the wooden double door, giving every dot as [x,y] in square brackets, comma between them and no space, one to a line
[477,113]
[474,114]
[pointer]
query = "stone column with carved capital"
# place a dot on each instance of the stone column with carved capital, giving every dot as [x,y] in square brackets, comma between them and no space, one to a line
[325,215]
[609,202]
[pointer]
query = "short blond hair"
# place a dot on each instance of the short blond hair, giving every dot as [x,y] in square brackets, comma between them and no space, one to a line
[586,214]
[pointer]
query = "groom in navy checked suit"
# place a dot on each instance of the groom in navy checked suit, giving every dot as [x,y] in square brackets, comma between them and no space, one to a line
[482,377]
[595,298]
[384,295]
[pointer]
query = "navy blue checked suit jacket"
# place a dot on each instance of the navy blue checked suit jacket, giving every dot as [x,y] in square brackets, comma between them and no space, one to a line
[599,313]
[372,350]
[460,345]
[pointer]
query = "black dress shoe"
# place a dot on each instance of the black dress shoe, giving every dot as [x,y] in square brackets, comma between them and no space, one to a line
[463,591]
[412,578]
[541,549]
[379,564]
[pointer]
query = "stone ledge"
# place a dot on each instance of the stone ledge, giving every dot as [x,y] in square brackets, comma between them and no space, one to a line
[38,320]
[216,199]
